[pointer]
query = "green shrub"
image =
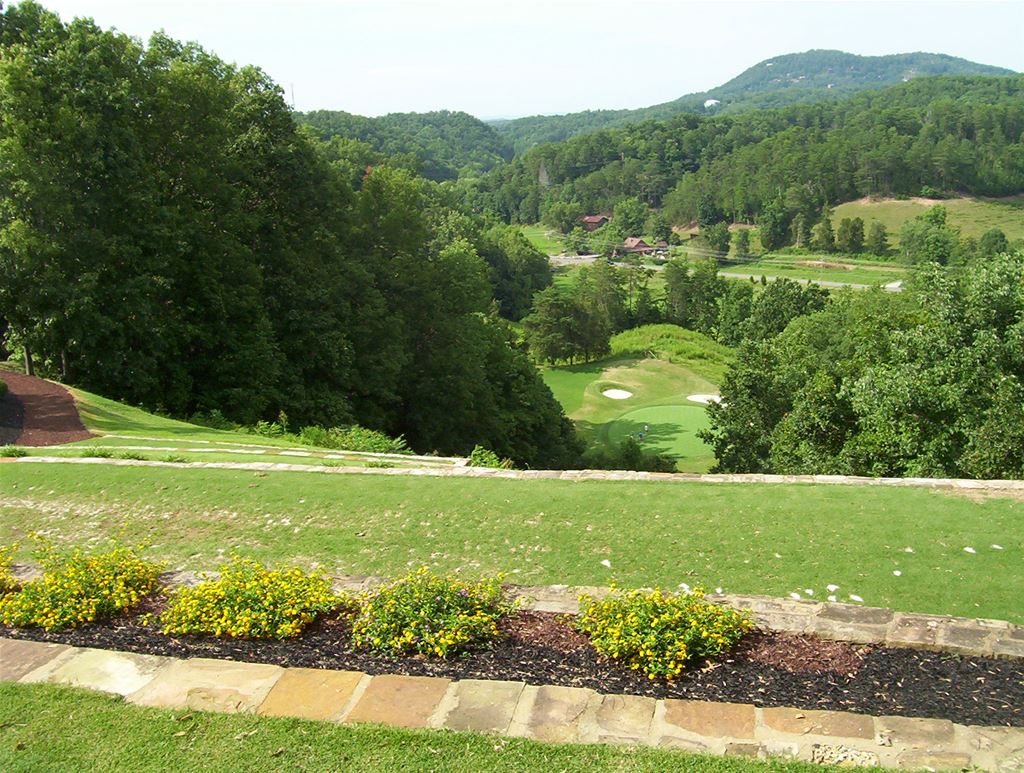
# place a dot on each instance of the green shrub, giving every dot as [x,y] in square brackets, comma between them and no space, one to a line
[79,587]
[268,429]
[354,438]
[214,420]
[98,453]
[178,458]
[429,614]
[249,601]
[657,632]
[381,465]
[131,455]
[12,452]
[485,457]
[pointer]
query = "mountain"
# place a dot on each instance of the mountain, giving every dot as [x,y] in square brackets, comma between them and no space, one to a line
[775,82]
[441,145]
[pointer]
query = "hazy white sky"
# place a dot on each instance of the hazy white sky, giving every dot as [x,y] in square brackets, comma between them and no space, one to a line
[496,58]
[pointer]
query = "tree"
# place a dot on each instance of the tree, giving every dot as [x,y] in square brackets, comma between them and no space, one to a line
[563,216]
[741,243]
[850,235]
[772,225]
[708,212]
[658,227]
[929,239]
[629,216]
[822,237]
[993,242]
[877,242]
[717,238]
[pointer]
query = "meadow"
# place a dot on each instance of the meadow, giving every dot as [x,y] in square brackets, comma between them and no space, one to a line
[973,216]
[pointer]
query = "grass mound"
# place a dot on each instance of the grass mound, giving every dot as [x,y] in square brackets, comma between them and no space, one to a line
[677,345]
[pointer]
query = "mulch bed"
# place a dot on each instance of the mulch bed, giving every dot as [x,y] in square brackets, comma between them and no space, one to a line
[36,412]
[767,668]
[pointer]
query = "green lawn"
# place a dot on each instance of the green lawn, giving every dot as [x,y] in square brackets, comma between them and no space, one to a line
[50,728]
[851,270]
[972,216]
[765,539]
[543,238]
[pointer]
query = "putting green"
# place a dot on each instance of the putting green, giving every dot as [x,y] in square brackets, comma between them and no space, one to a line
[671,429]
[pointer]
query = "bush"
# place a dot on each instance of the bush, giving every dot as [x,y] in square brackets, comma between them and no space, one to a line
[429,614]
[485,457]
[354,438]
[12,452]
[657,632]
[79,587]
[249,601]
[268,429]
[7,582]
[214,420]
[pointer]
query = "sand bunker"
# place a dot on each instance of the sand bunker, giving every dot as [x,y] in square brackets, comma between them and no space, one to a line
[705,399]
[617,394]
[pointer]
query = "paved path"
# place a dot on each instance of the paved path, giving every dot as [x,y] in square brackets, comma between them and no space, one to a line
[37,412]
[544,713]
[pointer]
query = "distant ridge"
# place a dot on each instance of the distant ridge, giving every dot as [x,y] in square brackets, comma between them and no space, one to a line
[775,82]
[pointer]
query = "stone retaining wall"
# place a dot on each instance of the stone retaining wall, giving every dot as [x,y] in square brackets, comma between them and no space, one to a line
[568,475]
[544,713]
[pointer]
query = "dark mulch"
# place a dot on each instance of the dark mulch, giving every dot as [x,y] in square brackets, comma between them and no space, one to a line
[767,669]
[36,412]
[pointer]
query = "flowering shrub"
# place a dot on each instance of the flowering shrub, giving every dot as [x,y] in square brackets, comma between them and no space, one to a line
[429,614]
[659,632]
[79,587]
[7,582]
[250,601]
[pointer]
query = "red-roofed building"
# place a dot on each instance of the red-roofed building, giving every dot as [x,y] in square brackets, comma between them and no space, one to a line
[634,244]
[593,222]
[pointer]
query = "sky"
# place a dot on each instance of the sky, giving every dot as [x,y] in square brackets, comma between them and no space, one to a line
[510,58]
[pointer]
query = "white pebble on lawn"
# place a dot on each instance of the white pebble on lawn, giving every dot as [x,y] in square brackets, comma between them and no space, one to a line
[908,550]
[607,563]
[718,590]
[832,598]
[855,597]
[684,587]
[997,547]
[809,591]
[832,588]
[897,572]
[795,596]
[970,550]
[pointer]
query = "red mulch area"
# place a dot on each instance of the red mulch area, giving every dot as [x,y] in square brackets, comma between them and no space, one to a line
[767,668]
[36,412]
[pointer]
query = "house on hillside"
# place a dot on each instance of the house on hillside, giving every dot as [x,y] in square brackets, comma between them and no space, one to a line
[634,245]
[593,222]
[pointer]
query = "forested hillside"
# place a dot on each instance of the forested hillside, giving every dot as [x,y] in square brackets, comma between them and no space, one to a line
[169,237]
[945,133]
[439,146]
[777,82]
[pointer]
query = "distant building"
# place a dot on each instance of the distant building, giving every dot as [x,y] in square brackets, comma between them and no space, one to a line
[593,222]
[635,245]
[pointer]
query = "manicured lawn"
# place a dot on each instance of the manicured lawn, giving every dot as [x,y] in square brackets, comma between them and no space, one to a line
[659,391]
[766,539]
[972,216]
[543,238]
[49,728]
[793,267]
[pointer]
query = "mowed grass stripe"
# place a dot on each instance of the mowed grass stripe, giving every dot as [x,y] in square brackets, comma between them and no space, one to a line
[745,538]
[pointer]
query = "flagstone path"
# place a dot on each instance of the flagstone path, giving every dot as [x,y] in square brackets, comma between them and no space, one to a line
[545,713]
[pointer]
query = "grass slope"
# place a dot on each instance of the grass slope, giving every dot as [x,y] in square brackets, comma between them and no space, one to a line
[972,216]
[49,728]
[543,238]
[744,538]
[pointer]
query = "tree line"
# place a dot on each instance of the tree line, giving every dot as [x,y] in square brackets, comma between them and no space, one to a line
[170,237]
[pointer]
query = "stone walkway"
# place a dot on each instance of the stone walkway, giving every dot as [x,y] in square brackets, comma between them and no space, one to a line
[568,475]
[544,713]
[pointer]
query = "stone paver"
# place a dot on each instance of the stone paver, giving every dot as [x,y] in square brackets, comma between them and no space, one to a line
[483,706]
[914,732]
[209,685]
[850,623]
[914,631]
[715,720]
[121,673]
[551,713]
[831,723]
[1008,648]
[964,638]
[19,658]
[623,719]
[934,760]
[310,693]
[402,701]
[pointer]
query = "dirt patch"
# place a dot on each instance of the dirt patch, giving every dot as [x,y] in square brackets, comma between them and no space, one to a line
[823,264]
[983,495]
[767,669]
[36,412]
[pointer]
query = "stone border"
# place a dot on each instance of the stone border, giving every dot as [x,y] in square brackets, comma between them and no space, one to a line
[568,475]
[544,713]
